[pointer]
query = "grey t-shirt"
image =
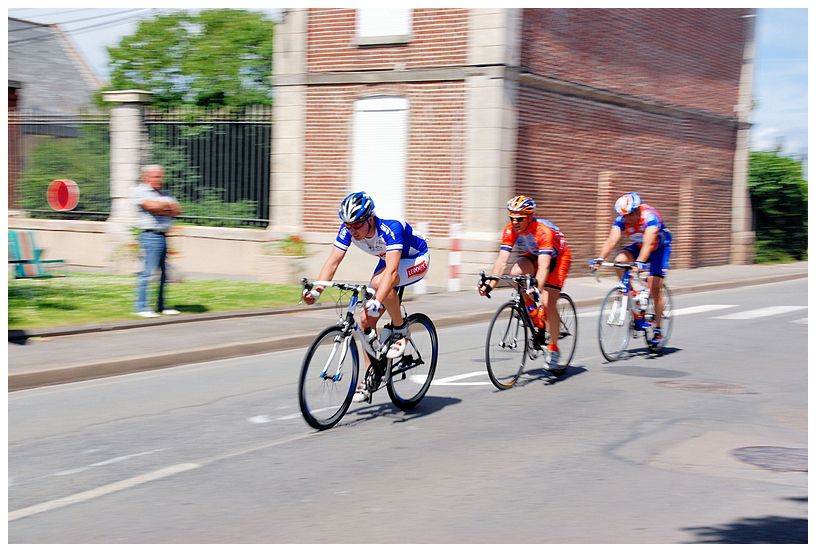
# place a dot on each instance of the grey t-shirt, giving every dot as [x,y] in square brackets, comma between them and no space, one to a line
[146,219]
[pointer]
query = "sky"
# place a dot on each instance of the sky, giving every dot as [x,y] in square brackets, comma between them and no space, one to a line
[780,116]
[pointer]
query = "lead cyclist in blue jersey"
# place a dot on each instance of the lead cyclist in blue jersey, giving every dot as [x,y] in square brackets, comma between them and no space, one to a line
[404,260]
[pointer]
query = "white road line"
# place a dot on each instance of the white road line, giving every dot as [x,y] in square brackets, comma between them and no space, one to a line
[106,462]
[701,308]
[801,321]
[100,491]
[450,379]
[759,313]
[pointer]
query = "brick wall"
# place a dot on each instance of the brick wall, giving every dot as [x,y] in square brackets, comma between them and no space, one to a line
[576,156]
[436,115]
[439,40]
[683,57]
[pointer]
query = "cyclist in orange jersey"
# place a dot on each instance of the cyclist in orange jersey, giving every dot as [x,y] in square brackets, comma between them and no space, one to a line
[545,253]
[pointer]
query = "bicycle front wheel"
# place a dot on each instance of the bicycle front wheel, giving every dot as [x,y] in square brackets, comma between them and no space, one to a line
[568,335]
[328,378]
[665,322]
[412,373]
[614,324]
[506,346]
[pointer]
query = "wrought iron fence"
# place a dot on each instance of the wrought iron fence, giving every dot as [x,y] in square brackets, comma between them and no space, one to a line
[44,147]
[217,164]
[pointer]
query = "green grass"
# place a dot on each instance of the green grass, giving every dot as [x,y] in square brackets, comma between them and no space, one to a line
[82,298]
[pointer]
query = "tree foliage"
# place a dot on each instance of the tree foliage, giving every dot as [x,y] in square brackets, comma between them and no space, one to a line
[779,198]
[213,58]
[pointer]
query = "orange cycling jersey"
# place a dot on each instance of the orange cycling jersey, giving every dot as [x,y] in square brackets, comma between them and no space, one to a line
[542,238]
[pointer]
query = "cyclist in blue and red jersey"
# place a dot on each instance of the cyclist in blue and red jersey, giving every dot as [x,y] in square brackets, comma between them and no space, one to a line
[651,243]
[403,260]
[544,252]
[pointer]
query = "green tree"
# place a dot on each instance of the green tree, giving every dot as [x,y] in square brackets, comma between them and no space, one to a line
[779,197]
[213,58]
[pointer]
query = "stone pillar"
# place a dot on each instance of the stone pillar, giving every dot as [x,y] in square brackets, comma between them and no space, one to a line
[683,239]
[742,235]
[288,134]
[492,123]
[128,147]
[604,208]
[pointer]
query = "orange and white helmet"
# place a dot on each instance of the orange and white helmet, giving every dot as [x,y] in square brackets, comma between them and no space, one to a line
[521,204]
[627,203]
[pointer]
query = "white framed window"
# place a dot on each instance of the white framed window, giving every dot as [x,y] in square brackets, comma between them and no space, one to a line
[383,26]
[379,152]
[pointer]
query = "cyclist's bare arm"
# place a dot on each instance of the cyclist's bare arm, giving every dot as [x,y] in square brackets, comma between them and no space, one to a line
[327,272]
[649,244]
[388,277]
[498,268]
[543,270]
[610,243]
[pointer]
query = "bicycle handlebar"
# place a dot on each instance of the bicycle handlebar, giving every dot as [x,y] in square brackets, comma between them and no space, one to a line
[529,279]
[369,292]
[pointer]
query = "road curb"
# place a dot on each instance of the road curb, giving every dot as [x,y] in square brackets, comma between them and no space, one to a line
[128,365]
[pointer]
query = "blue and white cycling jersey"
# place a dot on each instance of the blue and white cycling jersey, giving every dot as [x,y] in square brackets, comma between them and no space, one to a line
[392,235]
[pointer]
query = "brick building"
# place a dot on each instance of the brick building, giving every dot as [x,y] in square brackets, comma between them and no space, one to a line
[443,114]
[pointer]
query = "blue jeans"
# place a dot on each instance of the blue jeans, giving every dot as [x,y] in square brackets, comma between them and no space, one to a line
[154,252]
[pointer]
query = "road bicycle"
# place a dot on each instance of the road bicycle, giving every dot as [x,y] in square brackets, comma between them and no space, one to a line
[512,337]
[629,311]
[328,377]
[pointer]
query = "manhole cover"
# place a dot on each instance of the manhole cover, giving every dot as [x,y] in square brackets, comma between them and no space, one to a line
[774,458]
[646,372]
[707,387]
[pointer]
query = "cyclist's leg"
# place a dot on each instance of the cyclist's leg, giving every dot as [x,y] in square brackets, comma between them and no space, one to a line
[410,271]
[555,282]
[658,265]
[627,255]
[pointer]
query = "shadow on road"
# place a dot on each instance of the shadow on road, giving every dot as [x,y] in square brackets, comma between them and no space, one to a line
[429,405]
[763,530]
[547,377]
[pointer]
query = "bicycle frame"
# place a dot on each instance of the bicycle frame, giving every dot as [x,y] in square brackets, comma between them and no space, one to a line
[350,328]
[528,281]
[630,293]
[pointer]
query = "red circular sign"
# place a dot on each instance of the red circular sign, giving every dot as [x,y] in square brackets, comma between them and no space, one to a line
[63,195]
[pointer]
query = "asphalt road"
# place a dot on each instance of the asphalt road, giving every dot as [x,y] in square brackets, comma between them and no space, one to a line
[706,443]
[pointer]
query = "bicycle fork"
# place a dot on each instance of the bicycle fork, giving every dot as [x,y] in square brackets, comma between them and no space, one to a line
[338,373]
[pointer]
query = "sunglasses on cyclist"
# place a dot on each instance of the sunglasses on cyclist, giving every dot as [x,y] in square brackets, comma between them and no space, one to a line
[518,219]
[355,225]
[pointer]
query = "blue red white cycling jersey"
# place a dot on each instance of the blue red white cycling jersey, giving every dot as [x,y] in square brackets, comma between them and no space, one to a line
[392,235]
[649,218]
[542,238]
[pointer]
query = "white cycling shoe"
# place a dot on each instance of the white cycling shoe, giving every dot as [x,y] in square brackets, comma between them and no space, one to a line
[362,394]
[397,348]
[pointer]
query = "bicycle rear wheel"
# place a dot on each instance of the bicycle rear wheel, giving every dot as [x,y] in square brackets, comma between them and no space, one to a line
[506,346]
[412,373]
[614,324]
[568,336]
[665,322]
[328,378]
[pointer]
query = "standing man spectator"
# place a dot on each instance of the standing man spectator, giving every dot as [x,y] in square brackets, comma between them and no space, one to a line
[156,211]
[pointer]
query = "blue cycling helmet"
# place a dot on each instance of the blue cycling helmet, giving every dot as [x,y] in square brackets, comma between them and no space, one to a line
[356,206]
[627,203]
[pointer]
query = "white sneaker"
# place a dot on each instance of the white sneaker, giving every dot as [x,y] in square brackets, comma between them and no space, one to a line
[397,348]
[147,314]
[170,311]
[362,394]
